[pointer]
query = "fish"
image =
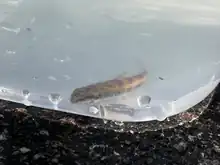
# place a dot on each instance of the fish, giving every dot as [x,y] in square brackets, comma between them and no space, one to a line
[108,88]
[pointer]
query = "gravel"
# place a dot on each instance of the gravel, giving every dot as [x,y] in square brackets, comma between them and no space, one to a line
[30,135]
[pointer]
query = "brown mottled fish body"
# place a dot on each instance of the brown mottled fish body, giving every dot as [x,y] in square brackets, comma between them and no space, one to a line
[108,88]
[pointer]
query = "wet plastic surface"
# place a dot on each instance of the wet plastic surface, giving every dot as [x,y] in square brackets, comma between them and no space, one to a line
[49,48]
[185,118]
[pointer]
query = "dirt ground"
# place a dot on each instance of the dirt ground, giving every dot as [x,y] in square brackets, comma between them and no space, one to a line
[30,135]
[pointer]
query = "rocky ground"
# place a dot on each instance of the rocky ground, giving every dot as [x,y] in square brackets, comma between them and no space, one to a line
[35,136]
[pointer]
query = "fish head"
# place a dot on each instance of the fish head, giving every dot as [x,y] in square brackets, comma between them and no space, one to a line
[83,94]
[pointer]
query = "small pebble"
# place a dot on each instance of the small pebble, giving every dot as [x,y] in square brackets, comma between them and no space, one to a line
[199,135]
[149,160]
[3,137]
[216,148]
[1,149]
[127,142]
[2,158]
[37,156]
[116,153]
[15,153]
[132,132]
[5,131]
[57,155]
[44,132]
[54,160]
[24,150]
[181,147]
[191,138]
[21,110]
[202,155]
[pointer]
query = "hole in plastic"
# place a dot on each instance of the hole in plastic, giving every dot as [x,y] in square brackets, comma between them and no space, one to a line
[93,110]
[26,93]
[55,98]
[144,101]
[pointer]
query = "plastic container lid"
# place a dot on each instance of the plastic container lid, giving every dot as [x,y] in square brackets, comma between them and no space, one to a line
[50,49]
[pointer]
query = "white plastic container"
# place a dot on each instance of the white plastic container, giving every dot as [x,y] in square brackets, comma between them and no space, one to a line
[49,48]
